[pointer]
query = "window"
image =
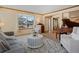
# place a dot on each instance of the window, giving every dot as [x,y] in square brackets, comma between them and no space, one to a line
[26,21]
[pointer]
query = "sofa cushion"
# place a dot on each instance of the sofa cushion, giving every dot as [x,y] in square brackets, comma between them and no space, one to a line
[65,38]
[17,50]
[11,42]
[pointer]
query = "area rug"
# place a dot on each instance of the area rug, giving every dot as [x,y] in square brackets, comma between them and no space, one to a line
[50,46]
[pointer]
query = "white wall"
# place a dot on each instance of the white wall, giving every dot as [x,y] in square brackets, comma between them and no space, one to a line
[10,22]
[61,14]
[9,18]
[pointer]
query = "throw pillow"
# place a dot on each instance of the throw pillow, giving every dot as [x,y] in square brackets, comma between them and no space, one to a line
[77,30]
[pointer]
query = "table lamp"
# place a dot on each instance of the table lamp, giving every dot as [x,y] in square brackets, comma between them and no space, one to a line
[1,25]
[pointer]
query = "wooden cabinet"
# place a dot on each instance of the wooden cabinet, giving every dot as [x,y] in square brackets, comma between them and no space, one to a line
[42,28]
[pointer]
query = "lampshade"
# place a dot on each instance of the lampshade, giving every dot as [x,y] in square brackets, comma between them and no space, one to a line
[1,24]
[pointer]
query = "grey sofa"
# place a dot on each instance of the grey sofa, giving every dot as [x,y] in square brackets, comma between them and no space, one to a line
[71,42]
[9,44]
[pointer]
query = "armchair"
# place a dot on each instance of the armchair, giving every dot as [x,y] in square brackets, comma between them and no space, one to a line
[9,44]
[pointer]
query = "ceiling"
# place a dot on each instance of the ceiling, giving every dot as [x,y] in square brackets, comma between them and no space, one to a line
[39,8]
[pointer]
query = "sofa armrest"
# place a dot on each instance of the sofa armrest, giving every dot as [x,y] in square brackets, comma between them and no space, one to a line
[16,50]
[11,37]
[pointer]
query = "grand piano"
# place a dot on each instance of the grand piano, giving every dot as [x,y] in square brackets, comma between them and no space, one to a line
[69,23]
[67,27]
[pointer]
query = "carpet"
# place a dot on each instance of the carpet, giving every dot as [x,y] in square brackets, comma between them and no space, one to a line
[50,46]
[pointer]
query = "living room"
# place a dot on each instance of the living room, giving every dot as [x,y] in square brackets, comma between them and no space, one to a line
[38,29]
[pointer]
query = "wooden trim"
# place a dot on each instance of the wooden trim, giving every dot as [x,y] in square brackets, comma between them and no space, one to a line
[20,10]
[48,16]
[61,10]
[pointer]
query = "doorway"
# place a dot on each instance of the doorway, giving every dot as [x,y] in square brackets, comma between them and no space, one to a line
[51,24]
[48,24]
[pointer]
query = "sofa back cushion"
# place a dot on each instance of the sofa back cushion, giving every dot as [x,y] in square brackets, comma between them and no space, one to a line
[77,30]
[74,30]
[75,36]
[75,33]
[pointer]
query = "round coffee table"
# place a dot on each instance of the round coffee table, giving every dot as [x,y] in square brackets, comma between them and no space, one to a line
[35,41]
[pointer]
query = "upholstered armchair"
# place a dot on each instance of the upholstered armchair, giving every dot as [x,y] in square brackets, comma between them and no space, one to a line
[6,36]
[9,44]
[71,42]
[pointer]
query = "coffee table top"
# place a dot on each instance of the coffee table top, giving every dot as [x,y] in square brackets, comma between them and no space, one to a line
[37,36]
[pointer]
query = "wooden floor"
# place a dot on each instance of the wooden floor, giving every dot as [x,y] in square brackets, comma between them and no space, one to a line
[51,35]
